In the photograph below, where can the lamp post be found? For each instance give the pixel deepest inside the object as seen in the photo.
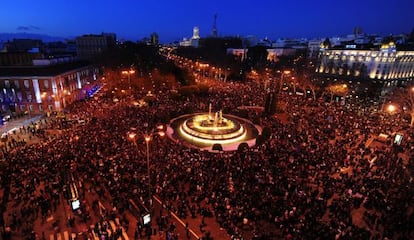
(43, 96)
(286, 72)
(129, 72)
(148, 136)
(29, 110)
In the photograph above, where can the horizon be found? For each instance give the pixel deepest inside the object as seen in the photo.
(51, 38)
(173, 21)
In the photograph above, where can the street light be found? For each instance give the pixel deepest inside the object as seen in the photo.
(129, 72)
(286, 72)
(391, 108)
(148, 136)
(43, 97)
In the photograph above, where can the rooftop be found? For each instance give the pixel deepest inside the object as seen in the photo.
(50, 70)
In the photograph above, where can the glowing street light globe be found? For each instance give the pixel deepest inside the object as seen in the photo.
(391, 108)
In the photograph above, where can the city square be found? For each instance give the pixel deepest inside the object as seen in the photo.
(216, 136)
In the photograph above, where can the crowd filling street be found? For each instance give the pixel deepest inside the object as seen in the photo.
(321, 174)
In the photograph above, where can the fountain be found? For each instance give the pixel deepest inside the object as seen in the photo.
(206, 129)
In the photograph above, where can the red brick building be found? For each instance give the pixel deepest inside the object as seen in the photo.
(50, 87)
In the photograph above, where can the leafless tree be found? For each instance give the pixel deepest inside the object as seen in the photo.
(404, 97)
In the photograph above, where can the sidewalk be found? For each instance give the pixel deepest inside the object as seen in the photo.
(17, 123)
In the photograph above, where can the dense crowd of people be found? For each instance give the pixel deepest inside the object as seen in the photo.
(305, 182)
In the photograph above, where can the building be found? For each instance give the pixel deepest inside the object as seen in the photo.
(273, 54)
(18, 58)
(44, 87)
(89, 46)
(60, 49)
(249, 41)
(290, 43)
(193, 41)
(23, 45)
(386, 66)
(238, 52)
(154, 39)
(314, 46)
(196, 33)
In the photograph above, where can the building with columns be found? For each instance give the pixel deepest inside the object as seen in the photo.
(386, 66)
(44, 87)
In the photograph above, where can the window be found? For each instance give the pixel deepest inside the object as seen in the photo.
(17, 84)
(19, 96)
(26, 84)
(46, 84)
(29, 96)
(7, 83)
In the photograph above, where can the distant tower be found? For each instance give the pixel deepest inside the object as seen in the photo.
(154, 38)
(196, 33)
(214, 31)
(357, 31)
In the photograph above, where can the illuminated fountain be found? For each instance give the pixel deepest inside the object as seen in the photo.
(207, 129)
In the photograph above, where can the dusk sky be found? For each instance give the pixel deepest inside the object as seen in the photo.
(173, 20)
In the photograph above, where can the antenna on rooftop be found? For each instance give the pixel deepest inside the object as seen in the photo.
(214, 31)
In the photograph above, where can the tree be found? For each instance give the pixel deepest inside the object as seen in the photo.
(337, 90)
(405, 98)
(294, 82)
(306, 83)
(326, 43)
(257, 54)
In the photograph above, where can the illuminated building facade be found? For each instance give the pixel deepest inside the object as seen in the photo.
(386, 65)
(196, 33)
(238, 52)
(193, 41)
(40, 89)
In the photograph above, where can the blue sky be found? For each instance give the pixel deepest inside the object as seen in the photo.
(173, 20)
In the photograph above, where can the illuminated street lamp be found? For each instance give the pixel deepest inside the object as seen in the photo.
(284, 73)
(148, 136)
(391, 108)
(129, 72)
(43, 97)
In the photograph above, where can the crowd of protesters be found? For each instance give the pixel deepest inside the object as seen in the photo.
(304, 182)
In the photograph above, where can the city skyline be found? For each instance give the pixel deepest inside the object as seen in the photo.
(173, 21)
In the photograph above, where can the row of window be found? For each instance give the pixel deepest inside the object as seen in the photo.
(32, 108)
(369, 55)
(26, 83)
(46, 83)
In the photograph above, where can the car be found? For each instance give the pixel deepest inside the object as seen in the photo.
(6, 118)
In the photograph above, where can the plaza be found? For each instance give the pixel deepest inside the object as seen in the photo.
(315, 166)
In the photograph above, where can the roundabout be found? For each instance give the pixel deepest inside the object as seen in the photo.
(204, 130)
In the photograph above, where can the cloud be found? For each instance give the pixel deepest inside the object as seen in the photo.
(27, 28)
